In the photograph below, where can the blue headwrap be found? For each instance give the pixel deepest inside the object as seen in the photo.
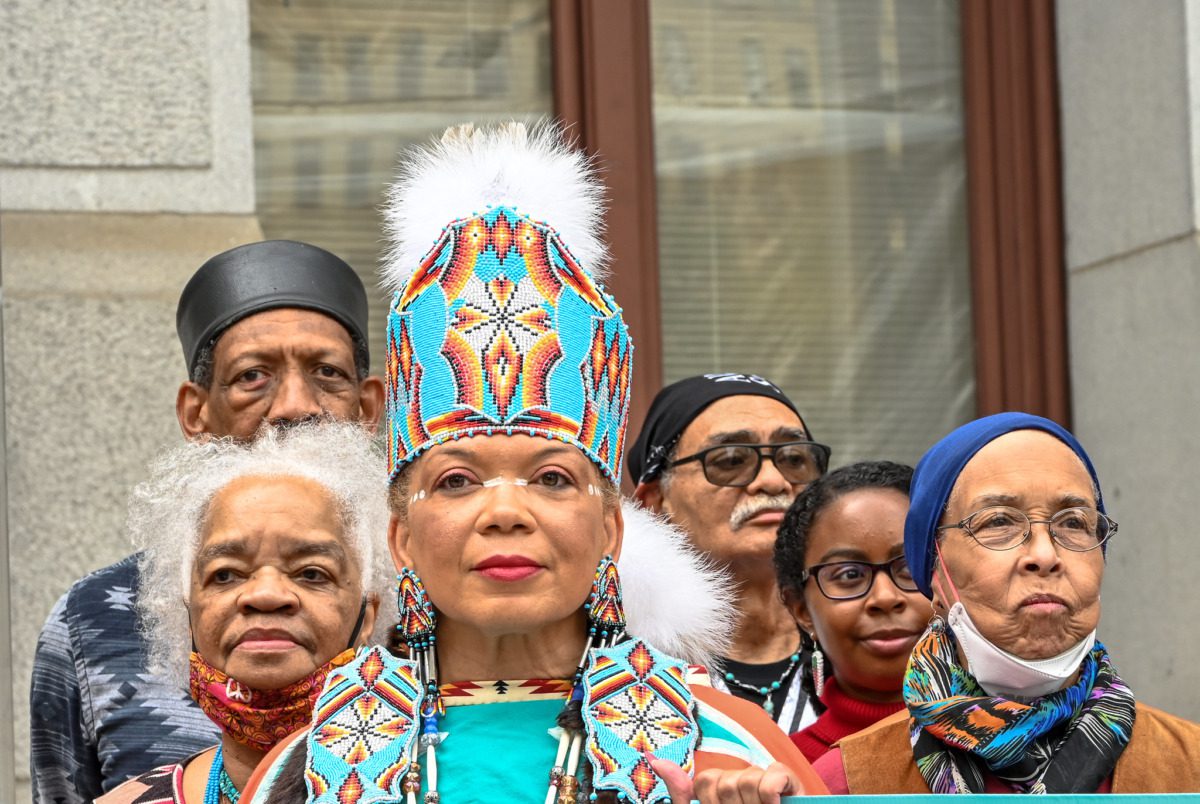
(938, 470)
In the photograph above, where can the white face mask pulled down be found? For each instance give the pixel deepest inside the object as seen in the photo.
(1001, 673)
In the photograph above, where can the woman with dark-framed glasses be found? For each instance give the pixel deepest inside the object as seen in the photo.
(843, 575)
(1010, 690)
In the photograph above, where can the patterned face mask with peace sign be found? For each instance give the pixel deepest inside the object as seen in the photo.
(258, 719)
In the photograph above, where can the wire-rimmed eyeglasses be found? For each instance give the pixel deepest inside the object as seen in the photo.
(848, 580)
(800, 462)
(1000, 527)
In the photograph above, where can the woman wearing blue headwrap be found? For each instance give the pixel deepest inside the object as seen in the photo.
(1009, 689)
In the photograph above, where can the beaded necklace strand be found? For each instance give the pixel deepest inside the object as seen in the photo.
(219, 783)
(768, 705)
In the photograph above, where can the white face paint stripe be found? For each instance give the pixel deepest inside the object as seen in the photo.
(500, 481)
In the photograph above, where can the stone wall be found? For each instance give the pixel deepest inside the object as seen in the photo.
(126, 160)
(1129, 90)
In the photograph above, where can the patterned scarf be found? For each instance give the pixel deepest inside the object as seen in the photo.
(1065, 742)
(255, 718)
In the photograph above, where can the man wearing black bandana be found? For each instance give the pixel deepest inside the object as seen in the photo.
(723, 456)
(272, 331)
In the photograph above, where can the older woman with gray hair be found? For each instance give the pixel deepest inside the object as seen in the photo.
(263, 566)
(1010, 690)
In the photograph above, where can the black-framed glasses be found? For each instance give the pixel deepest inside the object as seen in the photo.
(848, 580)
(999, 527)
(800, 462)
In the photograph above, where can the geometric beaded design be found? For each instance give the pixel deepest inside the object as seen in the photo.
(636, 701)
(417, 616)
(470, 693)
(605, 610)
(501, 331)
(364, 731)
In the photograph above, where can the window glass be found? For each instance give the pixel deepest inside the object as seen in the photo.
(811, 199)
(342, 86)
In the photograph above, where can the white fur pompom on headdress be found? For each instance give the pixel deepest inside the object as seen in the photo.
(675, 598)
(530, 169)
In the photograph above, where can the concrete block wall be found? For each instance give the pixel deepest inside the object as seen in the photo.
(1129, 92)
(126, 160)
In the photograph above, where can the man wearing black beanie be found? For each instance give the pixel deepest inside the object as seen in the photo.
(723, 456)
(271, 332)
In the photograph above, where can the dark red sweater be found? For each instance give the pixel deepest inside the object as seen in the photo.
(842, 717)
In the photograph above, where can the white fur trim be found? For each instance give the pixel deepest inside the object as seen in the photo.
(530, 169)
(675, 598)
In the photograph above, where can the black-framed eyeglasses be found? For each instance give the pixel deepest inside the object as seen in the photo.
(848, 580)
(999, 527)
(800, 462)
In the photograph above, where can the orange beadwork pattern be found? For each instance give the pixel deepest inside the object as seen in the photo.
(364, 730)
(416, 612)
(500, 328)
(351, 790)
(637, 702)
(605, 612)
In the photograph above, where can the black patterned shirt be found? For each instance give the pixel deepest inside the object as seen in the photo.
(96, 716)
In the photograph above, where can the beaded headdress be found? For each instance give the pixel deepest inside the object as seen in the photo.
(496, 326)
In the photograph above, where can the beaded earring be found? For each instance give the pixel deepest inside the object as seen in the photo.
(606, 626)
(416, 629)
(818, 668)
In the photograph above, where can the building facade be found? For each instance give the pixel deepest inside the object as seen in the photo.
(904, 213)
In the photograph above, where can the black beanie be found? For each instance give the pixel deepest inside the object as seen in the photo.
(677, 405)
(266, 276)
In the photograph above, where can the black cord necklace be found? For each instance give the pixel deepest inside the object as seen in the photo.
(768, 705)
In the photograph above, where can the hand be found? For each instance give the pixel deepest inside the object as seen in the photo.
(751, 785)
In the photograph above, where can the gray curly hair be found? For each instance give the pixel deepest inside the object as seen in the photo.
(168, 511)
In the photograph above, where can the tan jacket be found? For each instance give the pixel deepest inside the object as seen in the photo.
(1163, 756)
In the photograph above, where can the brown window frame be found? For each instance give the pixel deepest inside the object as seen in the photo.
(1014, 191)
(601, 66)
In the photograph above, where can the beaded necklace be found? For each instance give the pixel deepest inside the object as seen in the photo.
(768, 705)
(219, 783)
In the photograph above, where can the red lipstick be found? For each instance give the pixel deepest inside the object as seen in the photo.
(507, 568)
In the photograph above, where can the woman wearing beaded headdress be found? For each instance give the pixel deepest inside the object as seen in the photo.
(536, 670)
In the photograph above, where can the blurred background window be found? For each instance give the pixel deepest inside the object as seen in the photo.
(812, 210)
(341, 87)
(811, 180)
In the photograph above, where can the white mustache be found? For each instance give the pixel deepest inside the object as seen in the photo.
(754, 506)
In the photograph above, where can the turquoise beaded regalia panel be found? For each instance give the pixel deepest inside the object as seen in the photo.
(636, 702)
(364, 731)
(501, 331)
